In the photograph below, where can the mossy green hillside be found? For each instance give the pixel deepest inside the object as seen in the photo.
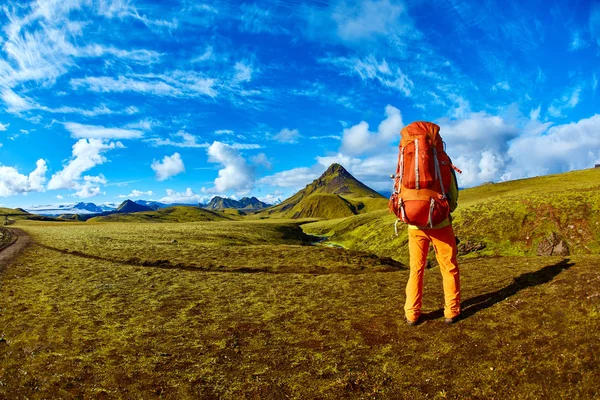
(334, 194)
(510, 218)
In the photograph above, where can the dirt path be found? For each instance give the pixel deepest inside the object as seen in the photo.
(10, 252)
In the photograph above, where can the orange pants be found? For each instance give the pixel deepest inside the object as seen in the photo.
(444, 244)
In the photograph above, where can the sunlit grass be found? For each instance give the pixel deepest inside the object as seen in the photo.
(78, 327)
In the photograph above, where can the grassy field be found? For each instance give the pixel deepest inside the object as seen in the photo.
(257, 309)
(81, 327)
(169, 214)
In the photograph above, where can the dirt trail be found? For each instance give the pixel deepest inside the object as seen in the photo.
(10, 252)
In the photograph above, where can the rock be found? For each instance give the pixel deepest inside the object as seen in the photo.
(553, 245)
(469, 246)
(174, 241)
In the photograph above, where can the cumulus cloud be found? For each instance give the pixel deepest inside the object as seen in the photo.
(272, 198)
(561, 148)
(261, 160)
(287, 136)
(358, 139)
(12, 182)
(346, 161)
(86, 154)
(136, 193)
(168, 167)
(187, 197)
(237, 174)
(100, 132)
(294, 178)
(90, 187)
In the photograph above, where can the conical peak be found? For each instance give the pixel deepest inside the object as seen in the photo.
(335, 169)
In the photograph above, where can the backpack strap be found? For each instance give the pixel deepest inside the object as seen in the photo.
(438, 172)
(417, 178)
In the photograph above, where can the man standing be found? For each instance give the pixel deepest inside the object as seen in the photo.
(425, 193)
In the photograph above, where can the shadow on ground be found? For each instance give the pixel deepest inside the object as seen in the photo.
(530, 279)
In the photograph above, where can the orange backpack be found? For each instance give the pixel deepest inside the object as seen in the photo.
(423, 177)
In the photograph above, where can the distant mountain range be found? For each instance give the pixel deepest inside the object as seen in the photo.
(246, 203)
(130, 206)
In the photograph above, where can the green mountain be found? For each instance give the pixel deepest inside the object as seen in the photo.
(335, 194)
(502, 219)
(129, 206)
(12, 211)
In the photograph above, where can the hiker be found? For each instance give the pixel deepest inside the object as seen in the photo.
(425, 193)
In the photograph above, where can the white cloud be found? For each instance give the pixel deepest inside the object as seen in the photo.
(183, 139)
(501, 86)
(58, 196)
(136, 193)
(358, 139)
(87, 190)
(294, 178)
(12, 182)
(368, 19)
(236, 175)
(243, 72)
(100, 132)
(287, 136)
(578, 43)
(370, 69)
(534, 115)
(346, 161)
(272, 198)
(187, 197)
(261, 160)
(224, 132)
(594, 82)
(170, 166)
(334, 137)
(100, 51)
(86, 154)
(568, 101)
(90, 186)
(3, 127)
(181, 84)
(561, 148)
(208, 55)
(15, 103)
(246, 146)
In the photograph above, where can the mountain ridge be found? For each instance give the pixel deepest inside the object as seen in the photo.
(246, 203)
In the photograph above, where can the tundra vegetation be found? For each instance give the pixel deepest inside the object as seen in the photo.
(222, 305)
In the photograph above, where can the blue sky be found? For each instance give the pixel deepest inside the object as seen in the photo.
(102, 100)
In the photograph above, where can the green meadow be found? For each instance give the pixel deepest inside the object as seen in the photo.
(183, 306)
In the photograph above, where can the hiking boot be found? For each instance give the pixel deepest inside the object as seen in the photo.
(453, 320)
(412, 323)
